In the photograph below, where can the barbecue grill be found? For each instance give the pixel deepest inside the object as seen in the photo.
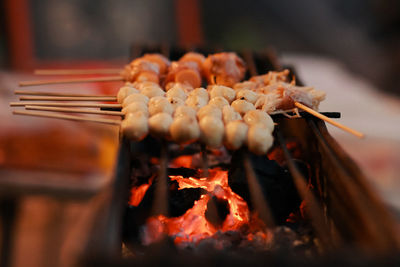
(345, 215)
(310, 198)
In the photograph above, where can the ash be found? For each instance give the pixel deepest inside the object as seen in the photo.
(282, 238)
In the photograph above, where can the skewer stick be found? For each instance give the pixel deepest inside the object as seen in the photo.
(40, 93)
(69, 98)
(57, 104)
(328, 120)
(76, 110)
(65, 117)
(82, 80)
(76, 71)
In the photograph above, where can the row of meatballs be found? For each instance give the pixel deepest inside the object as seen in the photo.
(215, 116)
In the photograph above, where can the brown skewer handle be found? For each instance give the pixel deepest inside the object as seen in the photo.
(65, 117)
(328, 120)
(76, 110)
(69, 98)
(65, 81)
(40, 93)
(58, 104)
(76, 71)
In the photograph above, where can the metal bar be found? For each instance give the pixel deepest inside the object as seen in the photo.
(160, 204)
(314, 209)
(8, 211)
(376, 204)
(109, 220)
(257, 198)
(343, 183)
(333, 115)
(203, 152)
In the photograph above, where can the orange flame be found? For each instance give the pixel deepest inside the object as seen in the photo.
(138, 192)
(182, 161)
(193, 225)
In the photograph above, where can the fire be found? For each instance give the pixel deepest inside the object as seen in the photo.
(182, 161)
(193, 225)
(138, 192)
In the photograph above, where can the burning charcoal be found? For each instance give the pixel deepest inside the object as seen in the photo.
(275, 181)
(182, 200)
(217, 210)
(179, 202)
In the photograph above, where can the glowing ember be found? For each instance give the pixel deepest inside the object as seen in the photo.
(193, 225)
(138, 192)
(182, 161)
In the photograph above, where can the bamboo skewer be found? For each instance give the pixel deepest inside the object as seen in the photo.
(76, 71)
(57, 104)
(40, 93)
(69, 98)
(328, 120)
(65, 81)
(76, 110)
(66, 117)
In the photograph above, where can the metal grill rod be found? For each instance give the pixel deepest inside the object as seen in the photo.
(313, 208)
(381, 236)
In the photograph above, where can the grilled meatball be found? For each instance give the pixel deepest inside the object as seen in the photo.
(211, 131)
(209, 110)
(152, 91)
(177, 91)
(259, 117)
(235, 134)
(184, 129)
(135, 97)
(219, 101)
(185, 111)
(224, 91)
(247, 95)
(125, 91)
(159, 124)
(195, 102)
(229, 114)
(176, 102)
(259, 139)
(242, 106)
(159, 104)
(135, 126)
(200, 92)
(136, 106)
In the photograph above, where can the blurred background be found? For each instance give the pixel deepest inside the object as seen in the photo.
(347, 48)
(350, 49)
(363, 34)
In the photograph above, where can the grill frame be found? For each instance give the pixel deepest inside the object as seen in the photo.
(345, 210)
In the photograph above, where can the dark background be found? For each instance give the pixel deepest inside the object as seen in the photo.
(362, 34)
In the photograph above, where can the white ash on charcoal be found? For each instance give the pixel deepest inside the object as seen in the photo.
(280, 239)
